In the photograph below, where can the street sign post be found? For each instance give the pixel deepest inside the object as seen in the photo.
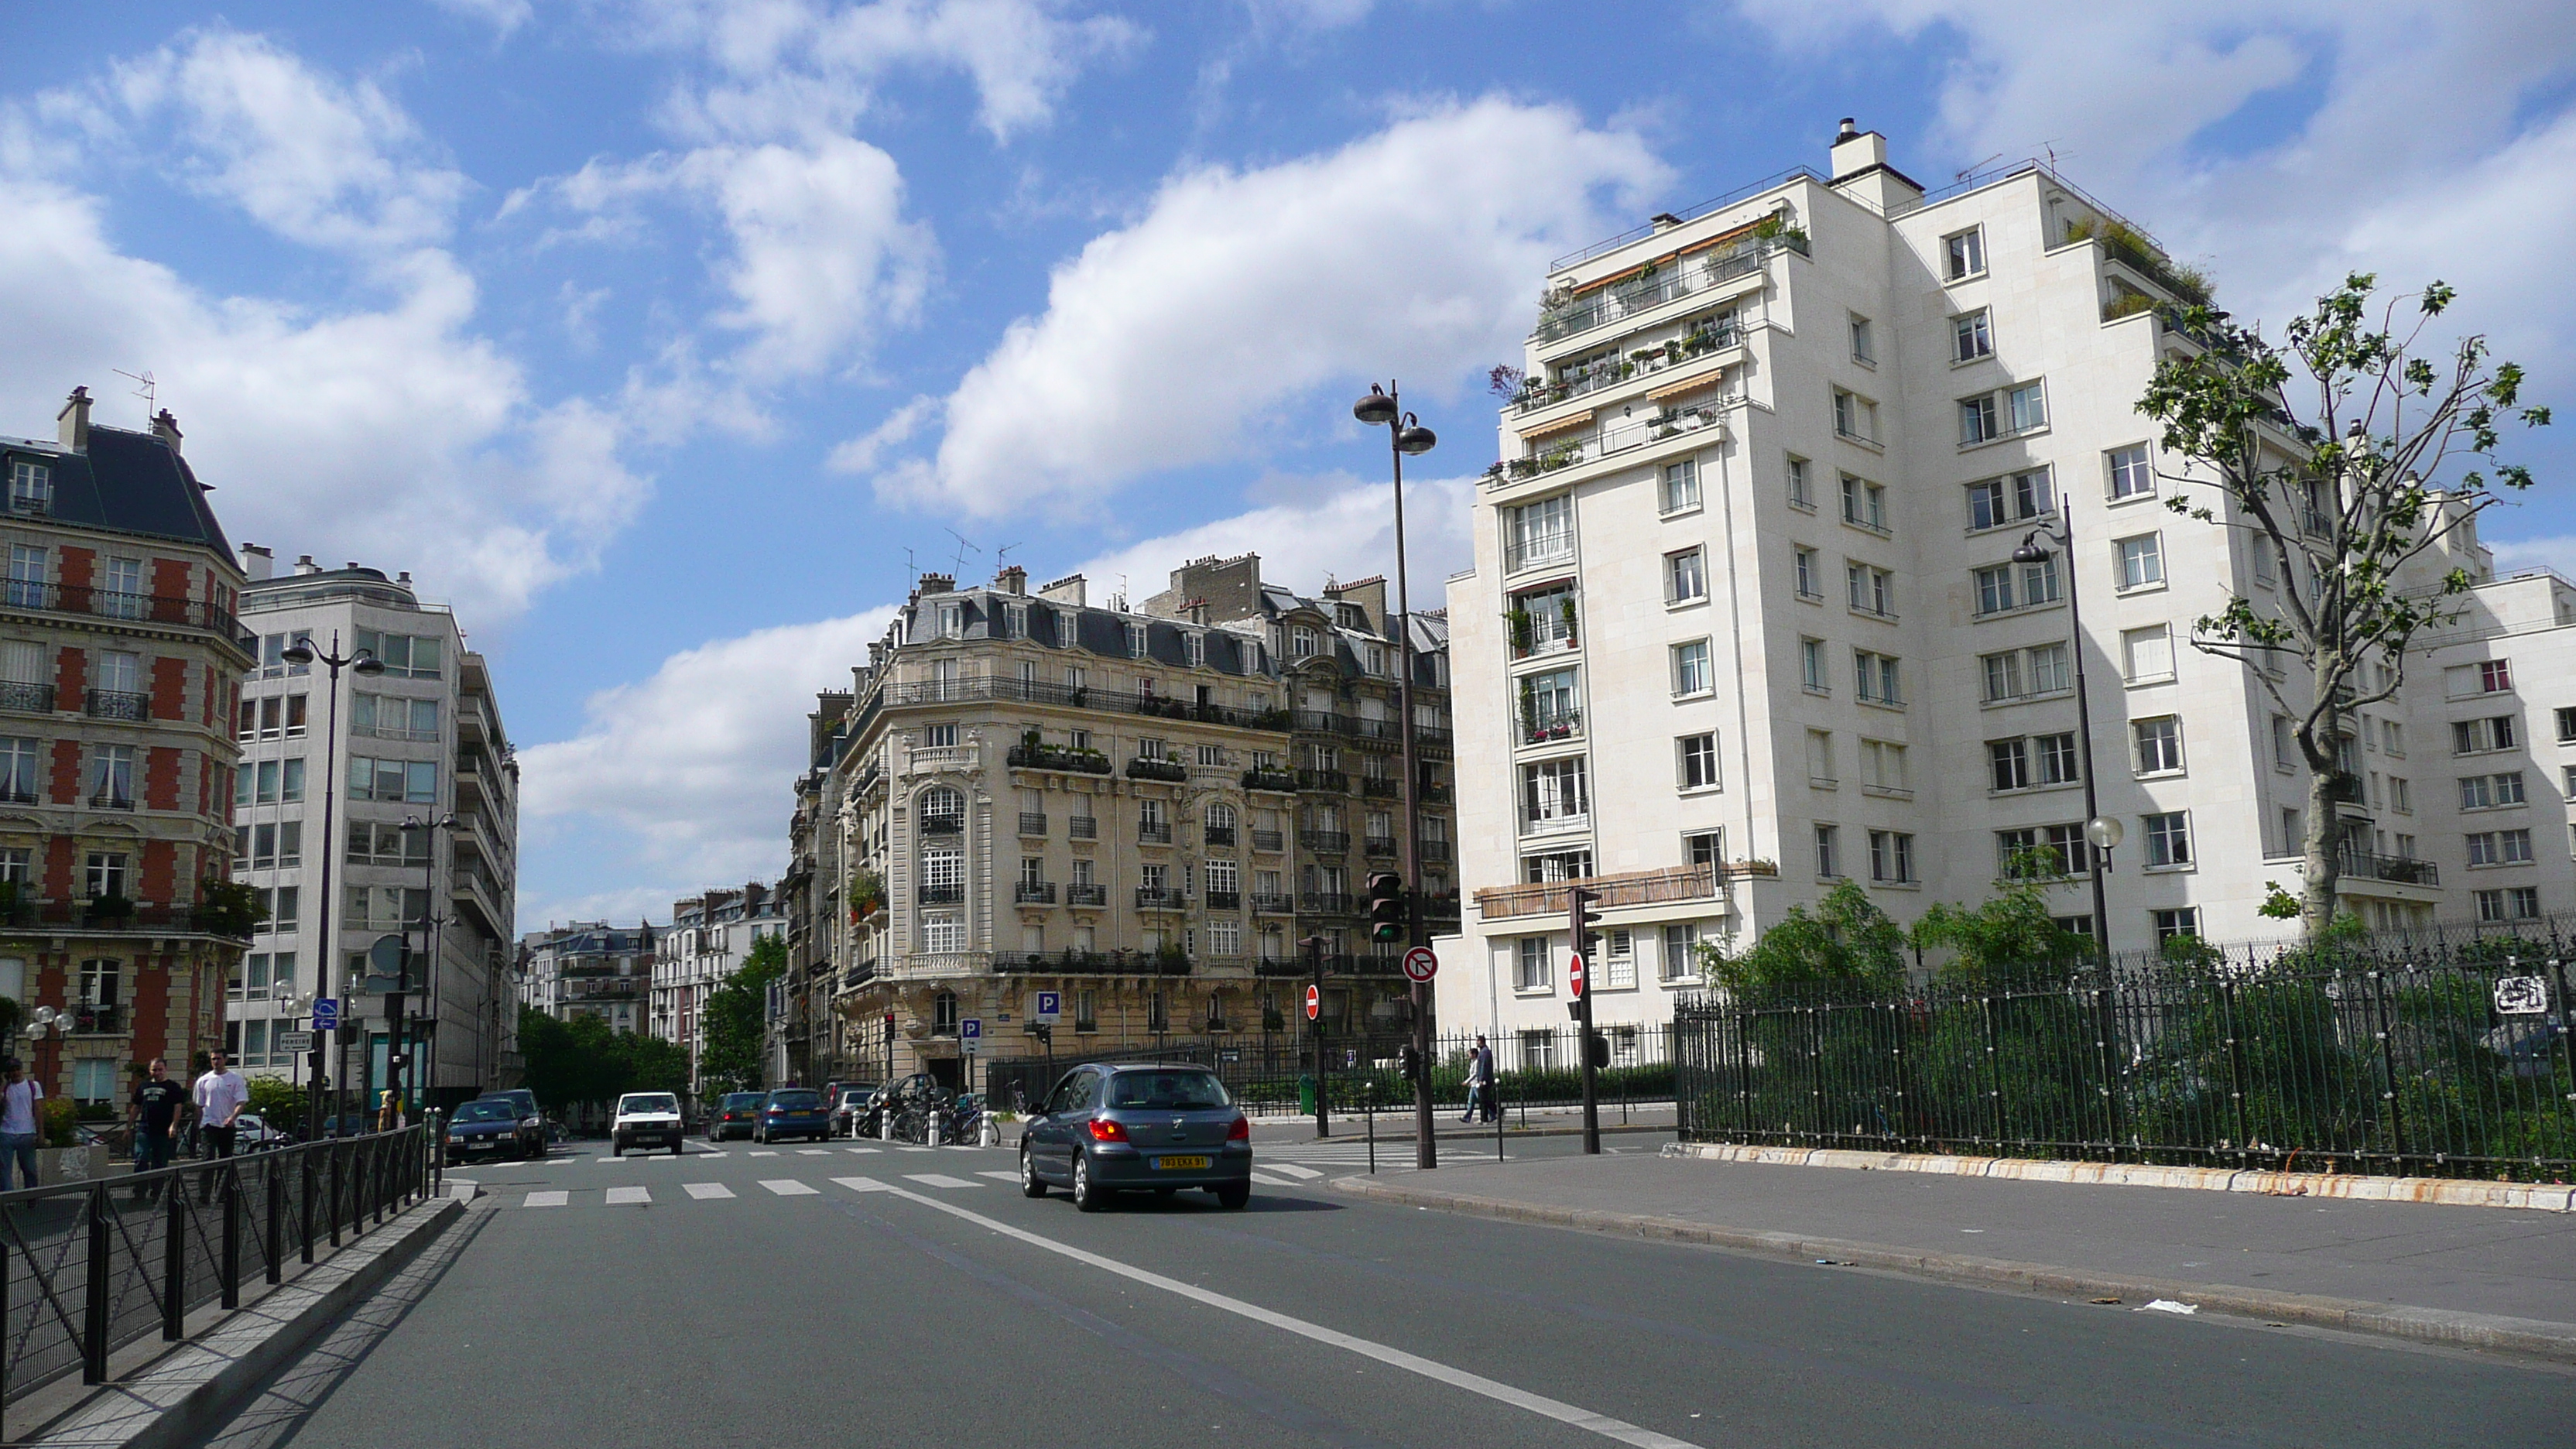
(1574, 977)
(970, 1034)
(294, 1041)
(326, 1013)
(1580, 919)
(1421, 964)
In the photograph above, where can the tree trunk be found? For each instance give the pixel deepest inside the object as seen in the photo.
(2324, 836)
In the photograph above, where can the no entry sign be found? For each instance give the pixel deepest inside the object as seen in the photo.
(1574, 976)
(1314, 1004)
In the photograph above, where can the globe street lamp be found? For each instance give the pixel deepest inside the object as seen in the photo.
(400, 1051)
(1384, 407)
(2100, 832)
(361, 662)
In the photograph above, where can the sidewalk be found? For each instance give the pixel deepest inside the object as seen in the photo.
(2485, 1277)
(1397, 1121)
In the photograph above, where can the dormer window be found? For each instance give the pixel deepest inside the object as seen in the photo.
(1301, 642)
(1135, 641)
(1351, 616)
(952, 621)
(1197, 644)
(31, 487)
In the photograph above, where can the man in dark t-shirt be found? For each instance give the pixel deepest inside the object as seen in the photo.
(157, 1100)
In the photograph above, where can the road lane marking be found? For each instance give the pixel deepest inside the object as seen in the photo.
(1268, 1181)
(915, 1149)
(862, 1184)
(764, 1154)
(547, 1199)
(787, 1187)
(618, 1195)
(1000, 1176)
(860, 1151)
(704, 1191)
(1495, 1389)
(813, 1152)
(938, 1179)
(1292, 1169)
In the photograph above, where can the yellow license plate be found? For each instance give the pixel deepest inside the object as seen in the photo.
(1180, 1164)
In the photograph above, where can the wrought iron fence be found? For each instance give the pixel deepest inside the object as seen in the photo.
(87, 1268)
(2443, 1051)
(1265, 1072)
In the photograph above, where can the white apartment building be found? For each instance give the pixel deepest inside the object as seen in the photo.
(1744, 620)
(422, 742)
(711, 935)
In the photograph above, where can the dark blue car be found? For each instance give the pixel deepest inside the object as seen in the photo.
(792, 1112)
(484, 1129)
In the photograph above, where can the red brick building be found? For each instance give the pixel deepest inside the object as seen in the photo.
(120, 661)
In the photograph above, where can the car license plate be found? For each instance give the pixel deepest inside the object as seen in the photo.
(1180, 1164)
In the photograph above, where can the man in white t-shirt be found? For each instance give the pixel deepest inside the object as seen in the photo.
(19, 1131)
(220, 1096)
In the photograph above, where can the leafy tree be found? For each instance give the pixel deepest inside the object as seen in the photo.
(1847, 949)
(2008, 938)
(583, 1061)
(737, 1019)
(2345, 501)
(279, 1103)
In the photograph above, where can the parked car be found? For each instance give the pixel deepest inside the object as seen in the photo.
(534, 1131)
(251, 1133)
(486, 1128)
(737, 1113)
(645, 1120)
(850, 1106)
(792, 1112)
(1107, 1128)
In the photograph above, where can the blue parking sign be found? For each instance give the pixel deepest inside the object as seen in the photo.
(971, 1028)
(1050, 1004)
(326, 1013)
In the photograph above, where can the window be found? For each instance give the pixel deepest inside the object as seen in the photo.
(1864, 504)
(2130, 475)
(2399, 798)
(1882, 765)
(1808, 587)
(1891, 857)
(1685, 577)
(2003, 676)
(2159, 744)
(404, 657)
(1820, 758)
(31, 486)
(2008, 764)
(1136, 642)
(1875, 678)
(411, 781)
(1986, 505)
(1152, 749)
(1681, 486)
(1537, 533)
(119, 671)
(1195, 647)
(1971, 336)
(1855, 417)
(111, 777)
(2006, 587)
(1872, 590)
(1977, 421)
(1681, 952)
(2147, 654)
(2500, 847)
(120, 595)
(1532, 975)
(386, 843)
(2181, 921)
(2478, 736)
(106, 874)
(2168, 838)
(2015, 498)
(2486, 792)
(2293, 837)
(1811, 666)
(1707, 848)
(1799, 496)
(2566, 725)
(1691, 669)
(1863, 347)
(28, 576)
(20, 782)
(1552, 793)
(2048, 850)
(2054, 758)
(2521, 903)
(1699, 761)
(383, 716)
(2026, 407)
(1828, 853)
(1963, 255)
(2142, 561)
(1548, 705)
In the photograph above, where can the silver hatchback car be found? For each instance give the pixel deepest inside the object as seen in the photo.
(1107, 1128)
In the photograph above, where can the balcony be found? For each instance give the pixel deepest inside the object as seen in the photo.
(1269, 842)
(1150, 899)
(1552, 727)
(1049, 757)
(1378, 787)
(1327, 903)
(1628, 888)
(1264, 904)
(1150, 833)
(125, 704)
(1613, 437)
(1534, 553)
(1435, 739)
(1645, 362)
(1325, 842)
(112, 800)
(1225, 900)
(1379, 845)
(1365, 728)
(1172, 770)
(27, 698)
(1033, 822)
(941, 895)
(1434, 852)
(1033, 893)
(1279, 781)
(134, 608)
(1089, 963)
(1333, 780)
(1610, 304)
(943, 824)
(2399, 869)
(106, 1020)
(1082, 827)
(1433, 793)
(1086, 895)
(1219, 835)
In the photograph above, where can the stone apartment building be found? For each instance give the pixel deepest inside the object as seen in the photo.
(120, 661)
(710, 935)
(1745, 622)
(420, 745)
(589, 968)
(1146, 809)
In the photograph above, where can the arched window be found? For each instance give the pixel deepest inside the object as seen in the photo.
(943, 1013)
(1220, 824)
(943, 809)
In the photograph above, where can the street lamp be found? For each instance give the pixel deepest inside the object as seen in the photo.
(44, 1022)
(362, 662)
(400, 1053)
(2100, 832)
(1384, 407)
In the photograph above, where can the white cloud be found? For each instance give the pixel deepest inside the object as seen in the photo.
(1413, 252)
(859, 454)
(2556, 552)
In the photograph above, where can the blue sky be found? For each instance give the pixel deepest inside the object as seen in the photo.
(654, 334)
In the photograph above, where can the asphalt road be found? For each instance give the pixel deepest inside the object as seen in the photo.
(905, 1297)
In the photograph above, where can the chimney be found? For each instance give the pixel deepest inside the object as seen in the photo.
(1665, 221)
(73, 421)
(304, 564)
(257, 562)
(1861, 172)
(1012, 579)
(166, 428)
(1067, 590)
(938, 584)
(1856, 150)
(403, 578)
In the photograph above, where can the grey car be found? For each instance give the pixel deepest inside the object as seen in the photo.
(1109, 1128)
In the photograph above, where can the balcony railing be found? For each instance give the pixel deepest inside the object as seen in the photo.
(1327, 903)
(1333, 780)
(1090, 963)
(1278, 780)
(1533, 553)
(1220, 835)
(124, 704)
(941, 895)
(112, 800)
(1270, 841)
(1033, 893)
(1544, 729)
(1434, 738)
(988, 688)
(1150, 833)
(1328, 842)
(942, 824)
(1033, 822)
(1615, 303)
(1434, 852)
(1172, 770)
(1264, 904)
(2401, 869)
(1049, 757)
(1225, 900)
(1617, 436)
(1629, 888)
(1150, 899)
(1610, 371)
(1378, 787)
(100, 603)
(1378, 845)
(1433, 793)
(27, 698)
(1086, 895)
(1082, 827)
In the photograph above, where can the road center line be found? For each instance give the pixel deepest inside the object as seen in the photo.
(1540, 1404)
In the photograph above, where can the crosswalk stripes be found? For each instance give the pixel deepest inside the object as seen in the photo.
(618, 1195)
(791, 1187)
(764, 1154)
(548, 1199)
(860, 1151)
(862, 1184)
(1266, 1180)
(813, 1152)
(1293, 1170)
(938, 1179)
(787, 1187)
(1000, 1176)
(705, 1191)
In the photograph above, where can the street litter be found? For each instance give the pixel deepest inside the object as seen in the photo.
(2167, 1305)
(2106, 1300)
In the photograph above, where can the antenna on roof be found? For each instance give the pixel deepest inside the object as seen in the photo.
(1002, 555)
(963, 544)
(145, 392)
(1964, 172)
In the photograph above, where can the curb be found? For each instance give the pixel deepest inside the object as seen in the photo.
(186, 1393)
(2555, 1341)
(1513, 1134)
(2441, 1191)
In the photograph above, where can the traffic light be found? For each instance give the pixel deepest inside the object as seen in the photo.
(1409, 1062)
(1596, 1050)
(1390, 917)
(1580, 919)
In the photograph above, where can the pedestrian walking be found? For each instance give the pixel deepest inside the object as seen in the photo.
(1480, 1083)
(220, 1096)
(18, 1129)
(158, 1101)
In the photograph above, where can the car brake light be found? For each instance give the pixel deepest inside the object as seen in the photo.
(1241, 1131)
(1103, 1130)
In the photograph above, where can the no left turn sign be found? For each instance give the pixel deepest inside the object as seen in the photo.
(1421, 964)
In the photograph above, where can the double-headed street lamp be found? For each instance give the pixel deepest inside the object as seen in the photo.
(362, 662)
(2100, 831)
(1384, 407)
(399, 1052)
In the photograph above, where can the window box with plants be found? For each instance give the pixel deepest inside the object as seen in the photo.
(1278, 780)
(867, 894)
(1032, 754)
(1144, 769)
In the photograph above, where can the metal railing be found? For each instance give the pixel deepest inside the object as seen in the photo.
(26, 698)
(125, 704)
(1148, 833)
(1325, 842)
(1218, 835)
(1033, 822)
(942, 824)
(2402, 869)
(110, 604)
(1617, 302)
(2441, 1053)
(91, 1267)
(1150, 899)
(1270, 841)
(1033, 893)
(1082, 827)
(983, 689)
(1086, 895)
(1645, 362)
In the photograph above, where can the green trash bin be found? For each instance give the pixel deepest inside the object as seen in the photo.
(1306, 1094)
